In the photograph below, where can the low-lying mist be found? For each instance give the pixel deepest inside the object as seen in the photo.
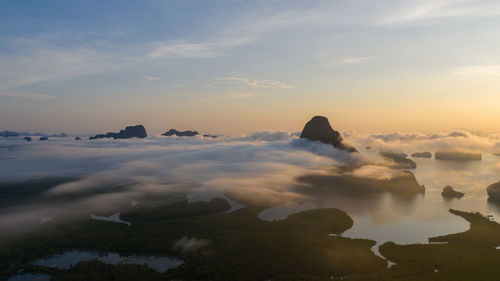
(457, 140)
(103, 177)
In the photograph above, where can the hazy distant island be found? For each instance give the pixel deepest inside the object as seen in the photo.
(347, 183)
(401, 160)
(458, 156)
(319, 129)
(449, 193)
(27, 134)
(422, 155)
(137, 131)
(174, 132)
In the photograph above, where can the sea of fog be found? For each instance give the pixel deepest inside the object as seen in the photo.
(266, 163)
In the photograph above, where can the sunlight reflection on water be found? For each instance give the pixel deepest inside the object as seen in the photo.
(412, 220)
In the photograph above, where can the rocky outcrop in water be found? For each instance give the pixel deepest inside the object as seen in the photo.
(422, 155)
(449, 193)
(44, 138)
(400, 160)
(77, 138)
(27, 139)
(494, 192)
(319, 129)
(137, 131)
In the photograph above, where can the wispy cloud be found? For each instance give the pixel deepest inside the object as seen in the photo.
(348, 61)
(477, 70)
(184, 49)
(239, 96)
(26, 95)
(326, 60)
(147, 78)
(254, 83)
(46, 61)
(208, 48)
(425, 12)
(43, 64)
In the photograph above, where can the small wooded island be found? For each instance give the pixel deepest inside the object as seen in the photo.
(449, 193)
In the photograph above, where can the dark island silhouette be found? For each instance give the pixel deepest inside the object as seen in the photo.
(450, 193)
(8, 134)
(458, 156)
(422, 155)
(174, 132)
(343, 181)
(44, 138)
(400, 160)
(319, 129)
(494, 192)
(137, 131)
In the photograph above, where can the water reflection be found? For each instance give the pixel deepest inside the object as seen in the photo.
(29, 277)
(405, 218)
(71, 258)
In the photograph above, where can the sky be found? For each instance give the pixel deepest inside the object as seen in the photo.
(236, 67)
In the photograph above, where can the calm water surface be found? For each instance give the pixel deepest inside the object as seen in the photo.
(71, 258)
(29, 277)
(413, 220)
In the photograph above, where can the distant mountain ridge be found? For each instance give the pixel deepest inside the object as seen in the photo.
(137, 131)
(174, 132)
(26, 134)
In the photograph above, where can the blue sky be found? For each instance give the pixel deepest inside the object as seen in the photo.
(235, 67)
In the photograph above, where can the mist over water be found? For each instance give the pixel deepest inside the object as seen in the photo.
(107, 175)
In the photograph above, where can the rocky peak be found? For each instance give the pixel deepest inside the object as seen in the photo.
(319, 129)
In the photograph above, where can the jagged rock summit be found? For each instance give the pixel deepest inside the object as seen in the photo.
(319, 129)
(174, 132)
(137, 131)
